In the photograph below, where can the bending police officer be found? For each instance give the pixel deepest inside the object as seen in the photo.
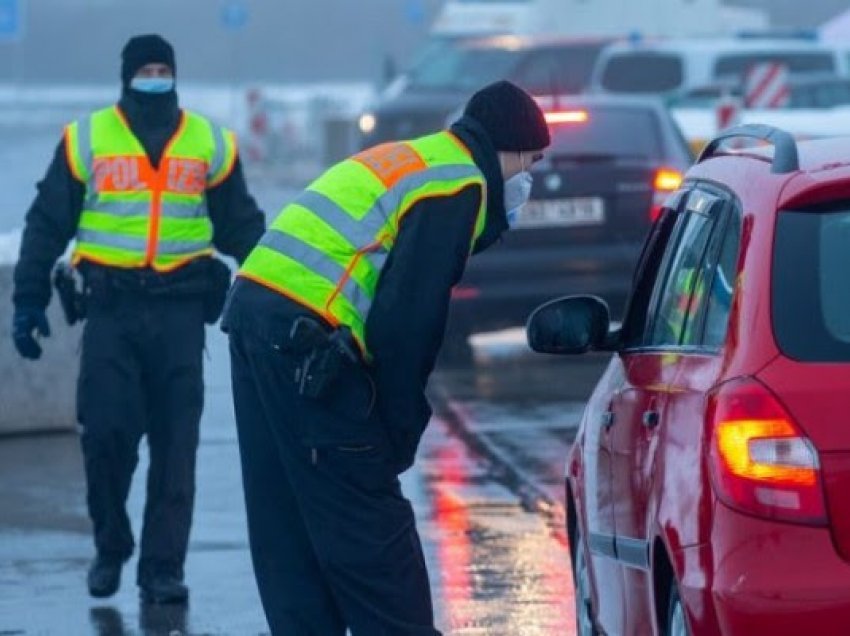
(335, 321)
(147, 190)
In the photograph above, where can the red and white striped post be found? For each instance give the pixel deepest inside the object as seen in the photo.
(258, 126)
(766, 86)
(727, 111)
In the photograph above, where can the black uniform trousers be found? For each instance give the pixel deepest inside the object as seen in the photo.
(142, 374)
(333, 540)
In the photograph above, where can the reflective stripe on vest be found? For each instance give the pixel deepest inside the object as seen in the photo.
(327, 248)
(137, 216)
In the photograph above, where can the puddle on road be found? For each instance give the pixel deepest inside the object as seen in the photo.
(497, 568)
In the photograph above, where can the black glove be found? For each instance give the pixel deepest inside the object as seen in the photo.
(26, 321)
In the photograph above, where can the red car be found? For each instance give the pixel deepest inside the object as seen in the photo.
(708, 489)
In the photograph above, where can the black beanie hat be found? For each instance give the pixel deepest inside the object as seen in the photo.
(511, 117)
(144, 49)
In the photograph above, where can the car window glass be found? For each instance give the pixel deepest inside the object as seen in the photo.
(662, 234)
(682, 263)
(712, 296)
(558, 70)
(456, 67)
(810, 288)
(797, 62)
(608, 131)
(643, 73)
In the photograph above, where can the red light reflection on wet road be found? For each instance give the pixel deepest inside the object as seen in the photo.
(500, 569)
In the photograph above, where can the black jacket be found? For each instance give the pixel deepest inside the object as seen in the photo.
(407, 320)
(52, 220)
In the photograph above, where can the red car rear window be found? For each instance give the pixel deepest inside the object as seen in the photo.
(811, 285)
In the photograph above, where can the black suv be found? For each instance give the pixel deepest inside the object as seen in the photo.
(612, 163)
(450, 71)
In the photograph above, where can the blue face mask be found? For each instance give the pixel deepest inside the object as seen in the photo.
(152, 84)
(517, 193)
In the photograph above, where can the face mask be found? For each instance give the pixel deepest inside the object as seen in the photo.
(517, 193)
(152, 84)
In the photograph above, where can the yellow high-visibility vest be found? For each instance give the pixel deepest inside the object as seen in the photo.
(326, 249)
(134, 215)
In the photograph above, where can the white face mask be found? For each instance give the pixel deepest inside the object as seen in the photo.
(152, 84)
(517, 193)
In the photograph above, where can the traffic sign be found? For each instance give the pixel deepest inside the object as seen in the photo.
(234, 15)
(11, 20)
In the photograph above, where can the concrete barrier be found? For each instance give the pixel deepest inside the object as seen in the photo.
(37, 396)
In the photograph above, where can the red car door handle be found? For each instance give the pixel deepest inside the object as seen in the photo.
(651, 418)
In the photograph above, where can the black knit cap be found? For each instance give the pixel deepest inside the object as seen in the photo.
(144, 49)
(511, 117)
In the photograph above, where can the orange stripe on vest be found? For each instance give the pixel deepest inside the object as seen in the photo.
(391, 162)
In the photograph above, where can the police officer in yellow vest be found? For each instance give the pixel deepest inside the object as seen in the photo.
(335, 321)
(147, 190)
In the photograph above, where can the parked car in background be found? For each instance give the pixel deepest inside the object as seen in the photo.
(611, 164)
(706, 491)
(676, 67)
(451, 70)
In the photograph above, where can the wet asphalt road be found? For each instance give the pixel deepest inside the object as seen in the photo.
(487, 491)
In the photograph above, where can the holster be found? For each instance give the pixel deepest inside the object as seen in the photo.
(327, 353)
(72, 297)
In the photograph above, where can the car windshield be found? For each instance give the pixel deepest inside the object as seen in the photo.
(605, 132)
(463, 68)
(811, 290)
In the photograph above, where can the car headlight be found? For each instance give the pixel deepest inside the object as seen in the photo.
(367, 123)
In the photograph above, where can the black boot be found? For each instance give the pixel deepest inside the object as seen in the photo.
(104, 576)
(162, 590)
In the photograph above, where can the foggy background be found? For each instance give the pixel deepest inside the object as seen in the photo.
(317, 63)
(281, 40)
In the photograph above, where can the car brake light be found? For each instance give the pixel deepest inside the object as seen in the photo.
(666, 181)
(760, 461)
(566, 117)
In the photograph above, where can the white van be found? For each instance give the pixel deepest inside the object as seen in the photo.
(674, 68)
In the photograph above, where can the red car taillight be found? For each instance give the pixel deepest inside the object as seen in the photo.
(761, 463)
(666, 181)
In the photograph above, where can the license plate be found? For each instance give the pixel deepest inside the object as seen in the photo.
(562, 212)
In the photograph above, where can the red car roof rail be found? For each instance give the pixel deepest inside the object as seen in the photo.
(785, 157)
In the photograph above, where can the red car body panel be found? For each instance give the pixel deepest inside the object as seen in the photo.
(737, 574)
